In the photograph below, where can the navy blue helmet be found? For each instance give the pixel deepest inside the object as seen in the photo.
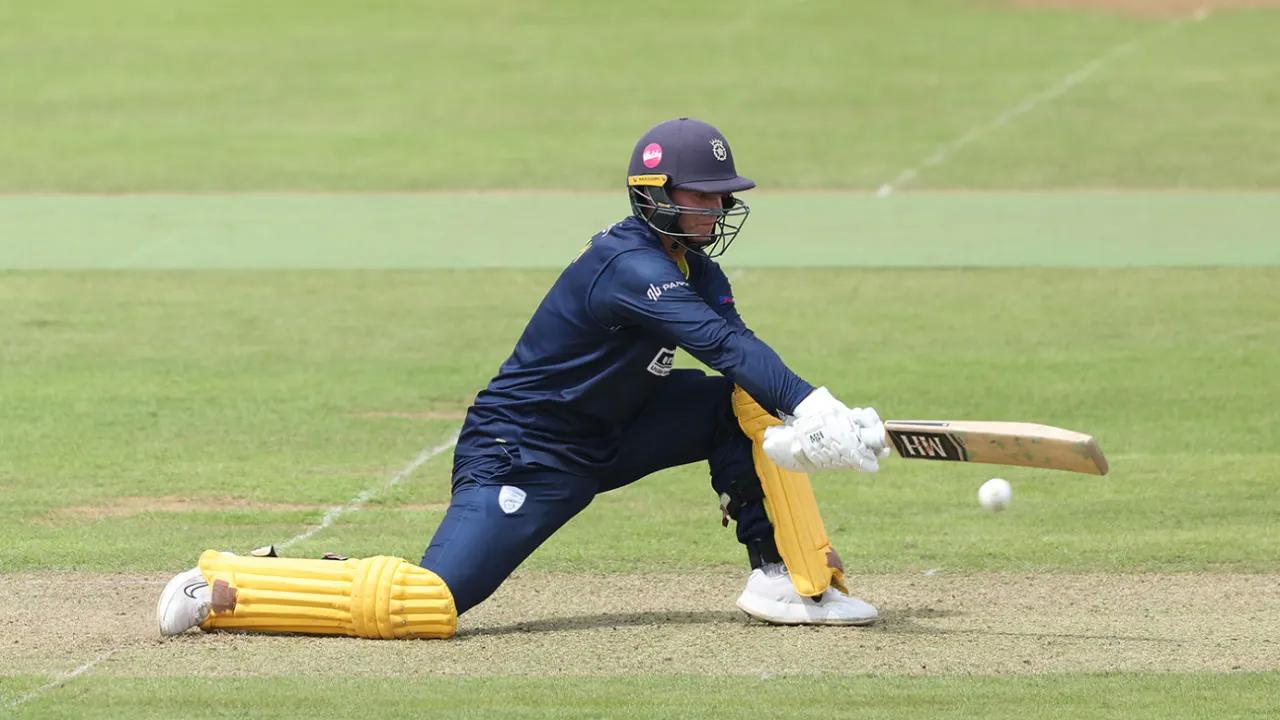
(687, 154)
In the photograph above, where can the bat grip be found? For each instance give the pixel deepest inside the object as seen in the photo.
(873, 438)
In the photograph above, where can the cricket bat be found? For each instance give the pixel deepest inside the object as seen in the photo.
(998, 443)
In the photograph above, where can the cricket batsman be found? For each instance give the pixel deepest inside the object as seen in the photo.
(587, 403)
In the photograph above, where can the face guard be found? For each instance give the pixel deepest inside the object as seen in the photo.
(651, 203)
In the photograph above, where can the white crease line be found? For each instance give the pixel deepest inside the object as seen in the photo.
(1029, 103)
(356, 503)
(368, 494)
(62, 680)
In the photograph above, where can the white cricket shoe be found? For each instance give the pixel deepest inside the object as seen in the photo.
(770, 596)
(184, 603)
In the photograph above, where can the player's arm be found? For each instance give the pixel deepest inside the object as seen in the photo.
(718, 293)
(646, 291)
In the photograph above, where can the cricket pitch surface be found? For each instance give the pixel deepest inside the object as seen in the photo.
(543, 623)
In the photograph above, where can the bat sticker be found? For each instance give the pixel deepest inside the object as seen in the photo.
(928, 446)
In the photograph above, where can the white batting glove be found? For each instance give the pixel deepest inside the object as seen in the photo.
(825, 434)
(871, 430)
(817, 443)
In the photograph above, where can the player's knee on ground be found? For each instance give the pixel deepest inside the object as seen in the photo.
(377, 597)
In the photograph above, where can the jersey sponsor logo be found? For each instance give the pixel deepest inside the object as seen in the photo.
(510, 498)
(652, 155)
(655, 291)
(726, 299)
(662, 362)
(719, 150)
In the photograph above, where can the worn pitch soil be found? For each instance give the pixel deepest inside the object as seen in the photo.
(1153, 8)
(573, 624)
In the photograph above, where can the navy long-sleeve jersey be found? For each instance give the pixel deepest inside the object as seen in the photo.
(599, 345)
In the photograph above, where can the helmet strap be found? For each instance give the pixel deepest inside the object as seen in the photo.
(664, 217)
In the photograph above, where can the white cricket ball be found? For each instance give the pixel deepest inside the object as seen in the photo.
(995, 494)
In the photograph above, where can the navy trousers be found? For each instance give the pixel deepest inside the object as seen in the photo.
(501, 511)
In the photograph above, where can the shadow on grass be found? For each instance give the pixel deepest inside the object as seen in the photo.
(609, 620)
(901, 621)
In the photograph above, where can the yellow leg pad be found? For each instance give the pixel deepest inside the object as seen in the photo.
(793, 509)
(378, 597)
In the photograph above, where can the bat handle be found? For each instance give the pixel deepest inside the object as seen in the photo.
(873, 438)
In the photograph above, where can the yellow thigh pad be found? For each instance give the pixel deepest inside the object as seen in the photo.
(793, 509)
(377, 597)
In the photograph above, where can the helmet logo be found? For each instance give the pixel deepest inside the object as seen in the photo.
(652, 155)
(718, 149)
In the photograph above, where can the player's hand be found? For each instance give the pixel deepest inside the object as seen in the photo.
(819, 442)
(825, 434)
(870, 429)
(866, 421)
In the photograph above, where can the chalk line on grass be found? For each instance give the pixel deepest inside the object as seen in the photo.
(945, 151)
(63, 679)
(368, 494)
(355, 504)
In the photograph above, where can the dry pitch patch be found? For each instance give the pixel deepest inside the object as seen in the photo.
(1153, 8)
(129, 506)
(542, 624)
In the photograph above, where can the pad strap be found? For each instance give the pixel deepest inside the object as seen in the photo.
(378, 597)
(793, 509)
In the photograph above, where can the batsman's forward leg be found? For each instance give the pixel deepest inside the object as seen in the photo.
(494, 523)
(491, 526)
(377, 597)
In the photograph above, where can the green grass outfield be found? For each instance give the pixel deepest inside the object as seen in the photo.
(255, 260)
(149, 414)
(304, 387)
(545, 229)
(1114, 697)
(162, 96)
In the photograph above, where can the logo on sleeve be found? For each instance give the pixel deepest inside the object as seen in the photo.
(726, 299)
(510, 498)
(662, 362)
(655, 291)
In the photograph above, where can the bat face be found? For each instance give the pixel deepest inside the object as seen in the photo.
(999, 443)
(927, 444)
